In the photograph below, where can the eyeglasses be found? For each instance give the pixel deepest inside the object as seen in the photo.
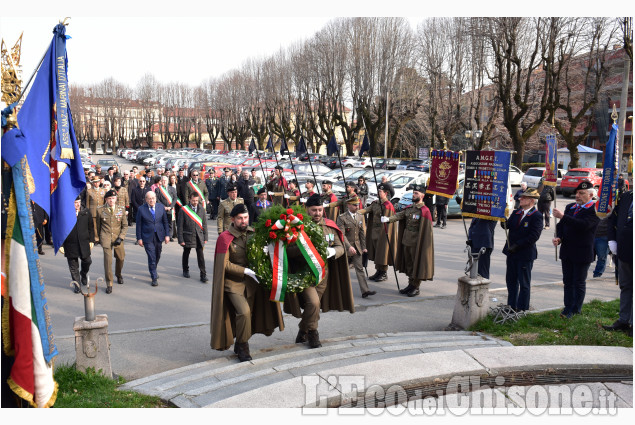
(194, 175)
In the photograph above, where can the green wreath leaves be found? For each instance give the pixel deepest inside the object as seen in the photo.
(260, 262)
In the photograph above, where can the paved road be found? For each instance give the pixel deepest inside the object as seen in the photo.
(159, 328)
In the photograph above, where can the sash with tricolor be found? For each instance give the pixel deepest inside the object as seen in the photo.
(166, 194)
(200, 194)
(278, 254)
(192, 214)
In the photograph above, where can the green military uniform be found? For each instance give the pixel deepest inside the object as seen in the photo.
(94, 200)
(224, 209)
(354, 230)
(278, 186)
(376, 241)
(123, 200)
(415, 252)
(238, 289)
(112, 224)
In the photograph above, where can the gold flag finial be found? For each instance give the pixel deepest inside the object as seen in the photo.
(614, 114)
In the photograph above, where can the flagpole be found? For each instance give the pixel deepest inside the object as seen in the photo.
(261, 167)
(315, 184)
(292, 167)
(340, 161)
(372, 166)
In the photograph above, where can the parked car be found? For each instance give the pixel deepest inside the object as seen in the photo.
(403, 164)
(107, 163)
(355, 161)
(419, 165)
(533, 175)
(576, 175)
(387, 164)
(515, 175)
(400, 180)
(99, 150)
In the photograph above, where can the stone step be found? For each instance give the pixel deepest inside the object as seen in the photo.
(212, 381)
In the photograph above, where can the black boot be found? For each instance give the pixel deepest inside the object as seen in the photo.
(406, 289)
(373, 277)
(242, 349)
(314, 339)
(383, 276)
(301, 338)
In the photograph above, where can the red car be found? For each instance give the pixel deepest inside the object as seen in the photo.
(574, 176)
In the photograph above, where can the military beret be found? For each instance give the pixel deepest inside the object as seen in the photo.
(111, 168)
(354, 200)
(352, 184)
(384, 187)
(239, 209)
(96, 179)
(226, 169)
(231, 186)
(314, 201)
(253, 169)
(584, 185)
(261, 191)
(110, 194)
(79, 198)
(418, 187)
(327, 182)
(311, 181)
(277, 167)
(530, 193)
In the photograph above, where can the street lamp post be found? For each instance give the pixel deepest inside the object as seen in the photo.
(477, 135)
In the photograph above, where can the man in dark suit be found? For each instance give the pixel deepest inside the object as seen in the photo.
(152, 230)
(192, 233)
(525, 227)
(620, 235)
(166, 195)
(79, 243)
(576, 233)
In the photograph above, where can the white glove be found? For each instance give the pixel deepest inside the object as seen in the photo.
(265, 249)
(613, 247)
(384, 219)
(62, 249)
(325, 205)
(251, 274)
(286, 196)
(303, 200)
(270, 193)
(330, 252)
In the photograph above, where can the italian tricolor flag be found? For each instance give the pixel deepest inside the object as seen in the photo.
(31, 377)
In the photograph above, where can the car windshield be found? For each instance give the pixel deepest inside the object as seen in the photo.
(577, 173)
(535, 172)
(400, 182)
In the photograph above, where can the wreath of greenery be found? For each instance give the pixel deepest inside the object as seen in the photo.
(260, 262)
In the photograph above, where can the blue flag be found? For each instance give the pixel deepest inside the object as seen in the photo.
(283, 146)
(609, 172)
(300, 147)
(365, 146)
(332, 147)
(252, 146)
(270, 144)
(45, 141)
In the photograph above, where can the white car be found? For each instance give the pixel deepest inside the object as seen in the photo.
(533, 176)
(515, 175)
(400, 180)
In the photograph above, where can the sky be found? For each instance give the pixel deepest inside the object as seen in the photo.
(204, 42)
(182, 40)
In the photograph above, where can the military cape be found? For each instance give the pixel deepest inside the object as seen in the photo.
(265, 315)
(381, 255)
(336, 292)
(424, 263)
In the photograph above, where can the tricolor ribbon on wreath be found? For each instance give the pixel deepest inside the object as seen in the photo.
(286, 230)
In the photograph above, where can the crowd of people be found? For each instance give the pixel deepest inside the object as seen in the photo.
(166, 206)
